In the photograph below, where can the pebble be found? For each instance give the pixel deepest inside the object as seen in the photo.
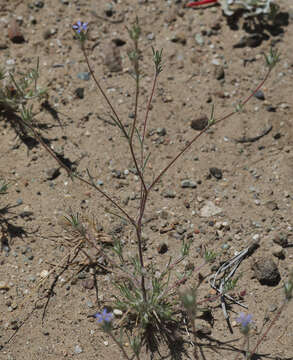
(52, 173)
(210, 209)
(162, 248)
(179, 38)
(44, 273)
(161, 131)
(151, 36)
(169, 194)
(118, 313)
(88, 284)
(280, 239)
(199, 39)
(200, 123)
(10, 62)
(79, 92)
(78, 349)
(216, 172)
(4, 285)
(188, 184)
(259, 95)
(219, 72)
(271, 205)
(39, 4)
(252, 40)
(225, 246)
(266, 271)
(84, 75)
(89, 304)
(14, 33)
(278, 252)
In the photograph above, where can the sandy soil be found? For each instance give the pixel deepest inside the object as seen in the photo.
(252, 188)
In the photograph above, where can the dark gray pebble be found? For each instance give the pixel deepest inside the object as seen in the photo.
(259, 95)
(216, 172)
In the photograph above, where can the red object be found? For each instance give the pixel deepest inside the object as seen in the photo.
(201, 2)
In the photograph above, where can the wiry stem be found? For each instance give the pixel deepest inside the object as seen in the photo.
(146, 117)
(121, 126)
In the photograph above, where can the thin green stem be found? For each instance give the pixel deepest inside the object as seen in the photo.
(139, 240)
(146, 117)
(122, 127)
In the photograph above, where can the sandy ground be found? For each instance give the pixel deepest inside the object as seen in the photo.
(251, 188)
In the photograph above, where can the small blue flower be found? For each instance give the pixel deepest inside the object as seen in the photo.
(80, 27)
(104, 316)
(244, 321)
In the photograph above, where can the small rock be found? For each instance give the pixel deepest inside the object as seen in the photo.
(44, 274)
(39, 4)
(280, 239)
(162, 248)
(278, 252)
(266, 271)
(79, 92)
(199, 123)
(179, 38)
(171, 16)
(4, 285)
(169, 194)
(48, 33)
(78, 349)
(3, 46)
(161, 131)
(210, 209)
(271, 205)
(225, 246)
(88, 284)
(188, 184)
(271, 108)
(259, 95)
(199, 39)
(89, 304)
(219, 72)
(252, 40)
(216, 172)
(84, 75)
(119, 42)
(14, 32)
(52, 173)
(151, 36)
(202, 331)
(118, 313)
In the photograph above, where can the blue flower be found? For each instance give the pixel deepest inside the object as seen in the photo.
(80, 27)
(244, 320)
(104, 316)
